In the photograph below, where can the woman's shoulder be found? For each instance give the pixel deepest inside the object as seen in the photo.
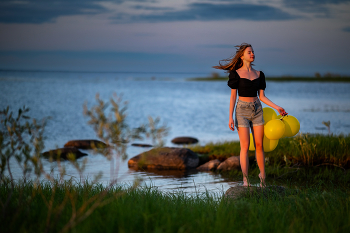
(233, 74)
(261, 74)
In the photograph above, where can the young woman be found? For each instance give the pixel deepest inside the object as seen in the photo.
(249, 114)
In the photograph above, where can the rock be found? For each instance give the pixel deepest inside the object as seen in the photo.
(231, 163)
(243, 191)
(165, 158)
(64, 153)
(211, 165)
(141, 145)
(184, 140)
(86, 144)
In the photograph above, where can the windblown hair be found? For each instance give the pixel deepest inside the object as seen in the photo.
(235, 62)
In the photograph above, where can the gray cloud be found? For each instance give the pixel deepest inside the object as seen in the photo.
(208, 11)
(41, 11)
(346, 29)
(314, 6)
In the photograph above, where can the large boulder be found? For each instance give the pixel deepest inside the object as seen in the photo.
(253, 191)
(231, 163)
(64, 153)
(165, 158)
(86, 144)
(184, 140)
(211, 165)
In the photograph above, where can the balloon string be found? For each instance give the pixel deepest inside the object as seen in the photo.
(283, 117)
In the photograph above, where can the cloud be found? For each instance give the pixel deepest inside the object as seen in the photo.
(346, 29)
(41, 11)
(209, 11)
(321, 7)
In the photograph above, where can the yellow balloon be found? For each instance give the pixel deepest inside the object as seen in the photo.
(269, 144)
(292, 126)
(274, 129)
(251, 143)
(269, 114)
(279, 117)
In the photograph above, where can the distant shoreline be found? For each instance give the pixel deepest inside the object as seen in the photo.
(282, 79)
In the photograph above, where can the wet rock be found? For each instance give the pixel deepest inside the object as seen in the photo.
(211, 165)
(86, 144)
(64, 153)
(184, 140)
(165, 158)
(141, 145)
(253, 191)
(231, 163)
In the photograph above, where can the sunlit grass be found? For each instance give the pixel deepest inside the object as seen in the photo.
(301, 150)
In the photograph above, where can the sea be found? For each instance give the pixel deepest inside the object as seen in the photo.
(197, 109)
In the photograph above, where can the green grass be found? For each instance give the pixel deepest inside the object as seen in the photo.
(281, 79)
(312, 209)
(303, 150)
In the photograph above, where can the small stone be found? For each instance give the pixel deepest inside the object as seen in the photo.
(86, 144)
(64, 153)
(141, 145)
(211, 165)
(231, 163)
(184, 140)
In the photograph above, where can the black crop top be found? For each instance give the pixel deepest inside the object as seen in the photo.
(246, 87)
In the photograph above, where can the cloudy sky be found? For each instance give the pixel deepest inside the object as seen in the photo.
(290, 37)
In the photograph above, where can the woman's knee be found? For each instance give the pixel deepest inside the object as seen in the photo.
(258, 146)
(244, 146)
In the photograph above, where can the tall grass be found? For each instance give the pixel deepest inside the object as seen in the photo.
(146, 209)
(303, 149)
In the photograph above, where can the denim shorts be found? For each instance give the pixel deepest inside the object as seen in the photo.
(248, 114)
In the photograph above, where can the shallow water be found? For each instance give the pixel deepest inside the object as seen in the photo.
(198, 109)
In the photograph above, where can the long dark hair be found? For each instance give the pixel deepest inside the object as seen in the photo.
(235, 62)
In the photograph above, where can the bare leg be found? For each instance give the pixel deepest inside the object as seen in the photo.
(244, 138)
(258, 134)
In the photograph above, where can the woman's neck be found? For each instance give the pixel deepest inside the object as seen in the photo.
(246, 66)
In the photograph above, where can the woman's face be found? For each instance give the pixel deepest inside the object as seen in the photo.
(248, 55)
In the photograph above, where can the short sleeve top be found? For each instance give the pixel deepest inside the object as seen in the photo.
(246, 87)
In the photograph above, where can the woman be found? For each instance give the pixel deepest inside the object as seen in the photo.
(249, 114)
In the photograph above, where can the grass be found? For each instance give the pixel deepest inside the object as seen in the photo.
(302, 150)
(38, 208)
(314, 164)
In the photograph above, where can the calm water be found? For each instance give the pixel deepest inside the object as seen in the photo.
(198, 109)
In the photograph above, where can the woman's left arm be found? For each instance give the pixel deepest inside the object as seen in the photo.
(265, 100)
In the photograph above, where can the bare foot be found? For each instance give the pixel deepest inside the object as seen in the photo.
(262, 181)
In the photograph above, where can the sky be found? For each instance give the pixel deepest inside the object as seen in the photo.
(289, 37)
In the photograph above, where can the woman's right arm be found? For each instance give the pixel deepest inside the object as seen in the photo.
(231, 123)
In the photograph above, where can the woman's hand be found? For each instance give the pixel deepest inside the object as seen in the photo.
(281, 111)
(231, 124)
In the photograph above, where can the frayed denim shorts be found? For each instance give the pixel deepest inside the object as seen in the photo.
(248, 114)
